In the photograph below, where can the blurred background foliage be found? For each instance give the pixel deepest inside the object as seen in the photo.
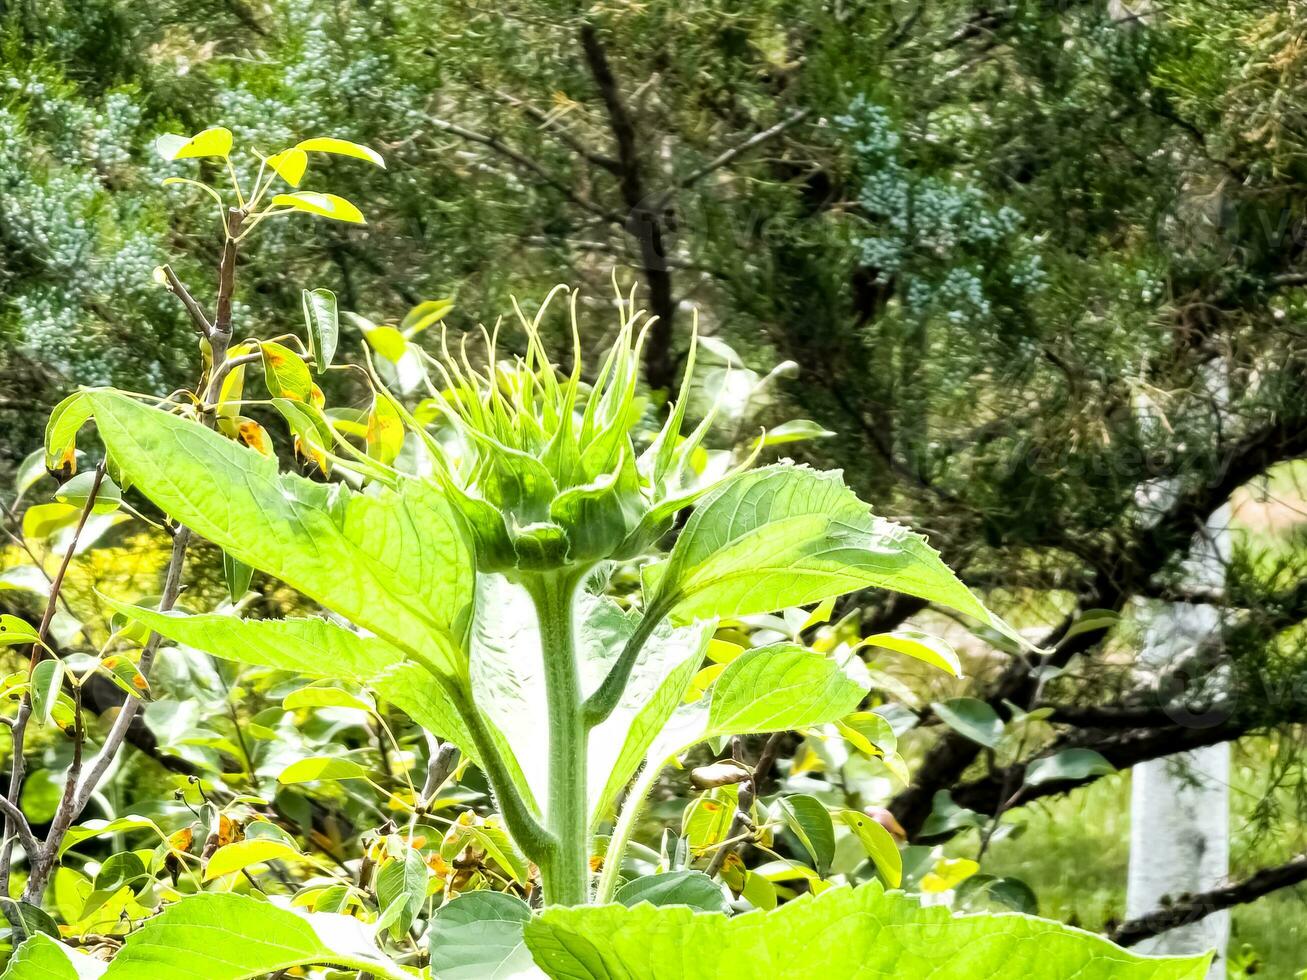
(1027, 259)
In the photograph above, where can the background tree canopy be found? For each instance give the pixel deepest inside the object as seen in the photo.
(1034, 270)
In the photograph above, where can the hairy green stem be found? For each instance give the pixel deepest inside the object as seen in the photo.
(566, 876)
(623, 830)
(535, 840)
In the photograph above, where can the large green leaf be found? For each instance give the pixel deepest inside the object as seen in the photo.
(395, 562)
(787, 535)
(508, 676)
(767, 689)
(478, 936)
(233, 937)
(843, 932)
(316, 648)
(692, 888)
(42, 958)
(776, 688)
(508, 681)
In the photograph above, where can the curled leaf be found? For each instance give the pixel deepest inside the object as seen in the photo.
(343, 148)
(324, 205)
(212, 142)
(14, 632)
(290, 165)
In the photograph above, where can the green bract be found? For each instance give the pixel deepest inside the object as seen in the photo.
(550, 476)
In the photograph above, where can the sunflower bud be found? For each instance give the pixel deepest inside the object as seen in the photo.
(550, 476)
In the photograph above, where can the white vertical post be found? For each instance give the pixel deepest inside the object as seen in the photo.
(1180, 806)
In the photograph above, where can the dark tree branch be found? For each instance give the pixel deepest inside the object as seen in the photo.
(725, 158)
(220, 333)
(950, 756)
(1133, 563)
(1109, 716)
(891, 614)
(644, 219)
(564, 135)
(987, 795)
(1191, 908)
(526, 163)
(1136, 730)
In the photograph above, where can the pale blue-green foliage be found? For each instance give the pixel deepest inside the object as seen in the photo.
(79, 296)
(328, 65)
(943, 236)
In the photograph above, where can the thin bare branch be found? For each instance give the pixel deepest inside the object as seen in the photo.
(644, 219)
(550, 124)
(15, 818)
(756, 140)
(740, 823)
(526, 163)
(175, 286)
(18, 732)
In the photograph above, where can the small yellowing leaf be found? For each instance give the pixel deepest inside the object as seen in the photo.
(879, 845)
(213, 142)
(385, 433)
(324, 205)
(233, 385)
(254, 435)
(702, 681)
(723, 651)
(320, 768)
(424, 315)
(344, 148)
(42, 521)
(920, 646)
(948, 873)
(243, 854)
(127, 676)
(285, 373)
(821, 614)
(386, 341)
(228, 830)
(181, 841)
(290, 165)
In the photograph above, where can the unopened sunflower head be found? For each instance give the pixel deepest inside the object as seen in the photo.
(551, 476)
